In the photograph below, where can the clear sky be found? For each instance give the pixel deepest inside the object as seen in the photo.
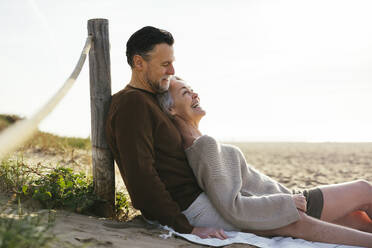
(265, 70)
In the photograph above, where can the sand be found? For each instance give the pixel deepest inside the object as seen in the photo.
(296, 165)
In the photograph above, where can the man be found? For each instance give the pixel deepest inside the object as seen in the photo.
(145, 143)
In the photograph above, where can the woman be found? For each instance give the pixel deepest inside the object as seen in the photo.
(237, 197)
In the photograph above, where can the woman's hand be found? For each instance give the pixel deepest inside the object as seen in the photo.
(209, 232)
(300, 202)
(188, 132)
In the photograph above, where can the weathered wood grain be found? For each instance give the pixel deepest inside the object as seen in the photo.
(100, 97)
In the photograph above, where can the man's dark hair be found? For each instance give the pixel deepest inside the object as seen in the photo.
(144, 40)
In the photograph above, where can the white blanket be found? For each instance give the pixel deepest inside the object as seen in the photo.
(251, 239)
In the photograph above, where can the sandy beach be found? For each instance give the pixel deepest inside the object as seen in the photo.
(296, 165)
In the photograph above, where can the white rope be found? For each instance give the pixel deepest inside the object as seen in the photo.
(17, 134)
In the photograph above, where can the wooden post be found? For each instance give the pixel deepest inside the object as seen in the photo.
(100, 97)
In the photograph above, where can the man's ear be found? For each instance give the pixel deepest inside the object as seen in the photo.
(138, 62)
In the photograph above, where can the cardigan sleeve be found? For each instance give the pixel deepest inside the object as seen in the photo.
(220, 171)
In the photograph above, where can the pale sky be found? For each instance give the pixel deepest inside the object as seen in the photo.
(264, 70)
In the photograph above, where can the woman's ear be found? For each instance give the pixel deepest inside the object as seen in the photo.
(172, 111)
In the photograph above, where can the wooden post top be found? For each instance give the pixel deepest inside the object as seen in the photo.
(98, 20)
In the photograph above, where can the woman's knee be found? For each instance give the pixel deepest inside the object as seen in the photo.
(364, 186)
(363, 190)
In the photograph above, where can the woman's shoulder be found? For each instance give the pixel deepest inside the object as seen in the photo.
(206, 141)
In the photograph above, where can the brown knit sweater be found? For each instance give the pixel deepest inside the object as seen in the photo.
(148, 150)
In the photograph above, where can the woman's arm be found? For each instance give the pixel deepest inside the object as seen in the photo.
(223, 174)
(219, 171)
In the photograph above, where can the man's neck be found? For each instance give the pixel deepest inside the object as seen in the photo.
(140, 83)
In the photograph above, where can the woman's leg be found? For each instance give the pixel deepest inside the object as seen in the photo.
(348, 204)
(357, 220)
(312, 229)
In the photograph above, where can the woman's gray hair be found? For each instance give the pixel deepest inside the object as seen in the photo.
(165, 99)
(166, 102)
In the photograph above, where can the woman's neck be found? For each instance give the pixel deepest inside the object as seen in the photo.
(193, 123)
(189, 130)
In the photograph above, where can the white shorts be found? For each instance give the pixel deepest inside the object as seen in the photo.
(202, 213)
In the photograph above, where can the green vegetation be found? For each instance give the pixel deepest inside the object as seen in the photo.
(61, 188)
(14, 174)
(54, 187)
(25, 231)
(121, 206)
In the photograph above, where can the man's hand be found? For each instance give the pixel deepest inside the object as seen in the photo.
(300, 202)
(209, 232)
(188, 132)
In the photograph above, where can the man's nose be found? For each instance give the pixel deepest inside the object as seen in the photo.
(195, 95)
(170, 70)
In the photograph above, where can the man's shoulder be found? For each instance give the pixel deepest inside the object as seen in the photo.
(130, 93)
(130, 97)
(132, 101)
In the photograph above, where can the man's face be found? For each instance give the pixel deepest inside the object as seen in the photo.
(159, 67)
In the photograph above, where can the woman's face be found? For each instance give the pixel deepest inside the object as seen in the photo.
(186, 101)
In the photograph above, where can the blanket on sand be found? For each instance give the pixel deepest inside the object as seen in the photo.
(245, 238)
(252, 239)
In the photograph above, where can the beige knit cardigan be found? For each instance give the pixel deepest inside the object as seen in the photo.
(245, 197)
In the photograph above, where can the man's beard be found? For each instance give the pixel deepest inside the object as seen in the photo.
(157, 86)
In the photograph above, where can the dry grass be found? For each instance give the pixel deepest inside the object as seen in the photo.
(7, 120)
(49, 150)
(47, 142)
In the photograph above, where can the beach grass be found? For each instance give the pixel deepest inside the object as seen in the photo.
(53, 186)
(25, 231)
(46, 141)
